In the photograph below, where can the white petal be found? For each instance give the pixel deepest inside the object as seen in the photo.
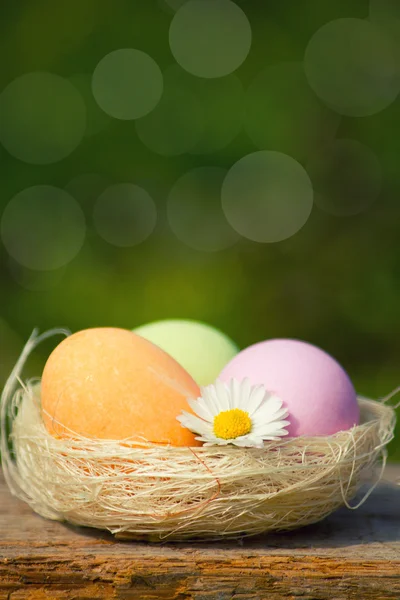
(244, 394)
(257, 395)
(217, 442)
(266, 413)
(265, 409)
(205, 438)
(269, 420)
(275, 433)
(267, 428)
(248, 442)
(275, 437)
(223, 394)
(283, 412)
(201, 409)
(273, 402)
(193, 423)
(235, 390)
(208, 444)
(210, 399)
(219, 403)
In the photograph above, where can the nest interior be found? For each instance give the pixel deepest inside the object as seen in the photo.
(165, 493)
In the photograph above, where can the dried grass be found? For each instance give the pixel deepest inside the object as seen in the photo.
(167, 493)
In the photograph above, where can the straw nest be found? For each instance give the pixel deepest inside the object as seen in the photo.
(167, 493)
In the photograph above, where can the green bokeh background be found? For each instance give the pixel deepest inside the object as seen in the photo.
(336, 283)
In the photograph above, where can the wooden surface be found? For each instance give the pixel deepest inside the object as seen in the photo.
(352, 554)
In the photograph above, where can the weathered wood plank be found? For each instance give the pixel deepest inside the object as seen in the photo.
(352, 554)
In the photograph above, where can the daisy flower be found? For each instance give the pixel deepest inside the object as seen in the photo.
(236, 413)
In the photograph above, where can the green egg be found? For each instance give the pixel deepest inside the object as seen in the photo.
(201, 349)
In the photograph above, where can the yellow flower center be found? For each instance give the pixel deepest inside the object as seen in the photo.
(230, 424)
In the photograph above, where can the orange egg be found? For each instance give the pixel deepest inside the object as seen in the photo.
(110, 383)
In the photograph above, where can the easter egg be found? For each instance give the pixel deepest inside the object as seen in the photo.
(314, 388)
(109, 383)
(201, 349)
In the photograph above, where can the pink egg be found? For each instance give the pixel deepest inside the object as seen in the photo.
(315, 389)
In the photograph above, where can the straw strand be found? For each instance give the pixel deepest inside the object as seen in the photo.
(141, 490)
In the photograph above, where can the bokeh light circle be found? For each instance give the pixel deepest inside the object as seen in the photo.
(176, 125)
(221, 107)
(350, 64)
(267, 196)
(171, 5)
(43, 228)
(124, 215)
(210, 38)
(346, 177)
(87, 187)
(127, 84)
(35, 281)
(42, 118)
(384, 10)
(386, 15)
(194, 210)
(97, 120)
(283, 113)
(222, 100)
